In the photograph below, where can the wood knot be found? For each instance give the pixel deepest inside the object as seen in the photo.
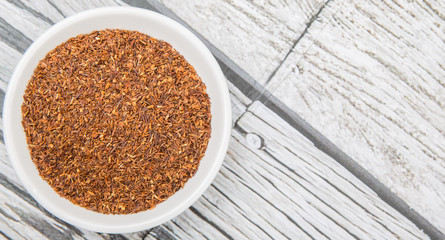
(254, 141)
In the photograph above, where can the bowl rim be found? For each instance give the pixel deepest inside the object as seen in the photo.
(9, 131)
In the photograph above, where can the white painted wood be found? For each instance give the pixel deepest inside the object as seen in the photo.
(254, 34)
(22, 218)
(68, 8)
(311, 180)
(44, 8)
(274, 182)
(259, 193)
(255, 196)
(370, 76)
(285, 189)
(239, 102)
(30, 25)
(8, 61)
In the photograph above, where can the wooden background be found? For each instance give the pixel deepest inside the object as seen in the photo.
(338, 115)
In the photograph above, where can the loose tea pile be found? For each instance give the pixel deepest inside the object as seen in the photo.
(116, 121)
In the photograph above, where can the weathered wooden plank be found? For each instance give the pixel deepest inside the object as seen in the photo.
(68, 8)
(254, 34)
(10, 58)
(40, 9)
(252, 197)
(321, 176)
(369, 75)
(275, 184)
(28, 24)
(258, 196)
(20, 220)
(327, 146)
(253, 90)
(23, 21)
(21, 217)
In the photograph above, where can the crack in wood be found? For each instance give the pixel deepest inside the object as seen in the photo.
(161, 233)
(209, 206)
(352, 166)
(312, 225)
(275, 207)
(27, 197)
(5, 236)
(242, 213)
(253, 90)
(308, 25)
(43, 227)
(116, 237)
(182, 229)
(2, 212)
(195, 211)
(304, 187)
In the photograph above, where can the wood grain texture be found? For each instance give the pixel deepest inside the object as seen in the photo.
(370, 76)
(254, 34)
(274, 183)
(269, 187)
(20, 216)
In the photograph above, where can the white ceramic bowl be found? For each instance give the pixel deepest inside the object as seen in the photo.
(155, 25)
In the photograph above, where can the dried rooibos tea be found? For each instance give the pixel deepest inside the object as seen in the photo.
(116, 121)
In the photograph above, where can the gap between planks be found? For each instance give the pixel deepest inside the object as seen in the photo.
(232, 69)
(255, 91)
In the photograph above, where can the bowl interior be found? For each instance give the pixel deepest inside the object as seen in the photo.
(156, 26)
